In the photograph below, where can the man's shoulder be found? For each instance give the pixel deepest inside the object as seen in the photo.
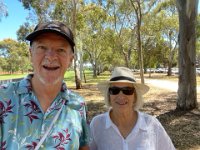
(74, 96)
(75, 101)
(8, 88)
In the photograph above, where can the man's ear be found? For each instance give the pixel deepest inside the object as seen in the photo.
(30, 54)
(71, 59)
(30, 51)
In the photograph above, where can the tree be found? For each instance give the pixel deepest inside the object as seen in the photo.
(14, 56)
(3, 10)
(23, 31)
(187, 95)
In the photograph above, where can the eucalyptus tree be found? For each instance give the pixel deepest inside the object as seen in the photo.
(153, 42)
(187, 95)
(94, 38)
(3, 10)
(167, 8)
(198, 41)
(170, 33)
(23, 31)
(14, 56)
(123, 26)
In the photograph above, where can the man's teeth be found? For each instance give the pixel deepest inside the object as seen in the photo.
(50, 68)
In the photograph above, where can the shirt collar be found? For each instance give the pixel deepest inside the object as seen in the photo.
(108, 120)
(141, 123)
(26, 87)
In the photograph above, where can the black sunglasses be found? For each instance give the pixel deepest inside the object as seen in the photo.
(125, 90)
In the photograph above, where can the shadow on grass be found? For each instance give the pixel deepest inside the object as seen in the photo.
(95, 108)
(183, 127)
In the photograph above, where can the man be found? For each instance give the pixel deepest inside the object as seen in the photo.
(39, 112)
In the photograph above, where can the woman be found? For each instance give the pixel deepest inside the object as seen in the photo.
(124, 127)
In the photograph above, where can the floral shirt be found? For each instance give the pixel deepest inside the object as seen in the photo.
(23, 122)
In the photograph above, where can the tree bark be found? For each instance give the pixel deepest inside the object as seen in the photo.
(138, 12)
(187, 92)
(76, 70)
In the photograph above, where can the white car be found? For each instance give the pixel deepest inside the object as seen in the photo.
(198, 71)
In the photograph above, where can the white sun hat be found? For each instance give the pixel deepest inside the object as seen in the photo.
(123, 75)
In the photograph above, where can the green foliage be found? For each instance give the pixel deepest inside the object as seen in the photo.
(14, 56)
(3, 10)
(23, 31)
(105, 31)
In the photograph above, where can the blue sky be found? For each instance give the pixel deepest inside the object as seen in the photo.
(17, 16)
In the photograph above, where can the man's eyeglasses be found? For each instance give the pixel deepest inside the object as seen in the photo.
(125, 90)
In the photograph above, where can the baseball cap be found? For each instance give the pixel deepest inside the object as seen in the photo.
(55, 27)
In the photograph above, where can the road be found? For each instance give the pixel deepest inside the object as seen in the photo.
(169, 85)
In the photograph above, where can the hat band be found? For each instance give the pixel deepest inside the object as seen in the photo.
(122, 78)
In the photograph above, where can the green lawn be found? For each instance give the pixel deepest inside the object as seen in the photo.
(11, 76)
(88, 77)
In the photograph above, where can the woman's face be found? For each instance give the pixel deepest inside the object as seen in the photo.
(122, 96)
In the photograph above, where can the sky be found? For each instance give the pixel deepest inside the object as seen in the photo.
(17, 16)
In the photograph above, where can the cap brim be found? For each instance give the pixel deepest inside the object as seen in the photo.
(33, 35)
(142, 88)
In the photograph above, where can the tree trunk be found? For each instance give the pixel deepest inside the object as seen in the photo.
(187, 93)
(169, 72)
(140, 54)
(76, 70)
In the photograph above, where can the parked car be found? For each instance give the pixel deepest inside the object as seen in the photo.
(198, 71)
(175, 71)
(161, 70)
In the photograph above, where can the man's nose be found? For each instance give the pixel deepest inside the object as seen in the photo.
(51, 52)
(51, 55)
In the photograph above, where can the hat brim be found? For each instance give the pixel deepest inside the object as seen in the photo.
(33, 35)
(141, 88)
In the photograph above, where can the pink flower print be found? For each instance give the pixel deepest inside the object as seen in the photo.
(4, 110)
(62, 138)
(34, 110)
(31, 146)
(2, 146)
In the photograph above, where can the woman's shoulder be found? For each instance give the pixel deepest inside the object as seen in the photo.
(100, 118)
(149, 119)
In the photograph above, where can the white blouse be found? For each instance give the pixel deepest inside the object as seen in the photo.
(148, 134)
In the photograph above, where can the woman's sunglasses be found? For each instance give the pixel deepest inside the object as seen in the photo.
(125, 90)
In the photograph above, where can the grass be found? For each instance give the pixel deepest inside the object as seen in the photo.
(88, 77)
(183, 127)
(11, 76)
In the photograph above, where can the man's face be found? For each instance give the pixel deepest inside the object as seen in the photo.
(51, 56)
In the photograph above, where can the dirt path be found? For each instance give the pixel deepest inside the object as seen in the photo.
(168, 85)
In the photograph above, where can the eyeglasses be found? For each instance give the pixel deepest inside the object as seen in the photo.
(125, 90)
